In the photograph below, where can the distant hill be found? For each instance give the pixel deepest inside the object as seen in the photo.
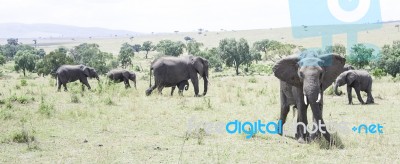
(19, 30)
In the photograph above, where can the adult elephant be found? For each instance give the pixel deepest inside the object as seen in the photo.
(170, 71)
(71, 73)
(121, 75)
(359, 80)
(303, 79)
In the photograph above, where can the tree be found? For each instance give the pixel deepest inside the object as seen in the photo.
(90, 55)
(40, 53)
(170, 48)
(50, 63)
(193, 46)
(137, 47)
(2, 59)
(235, 53)
(25, 60)
(281, 50)
(262, 46)
(337, 48)
(390, 59)
(213, 57)
(360, 55)
(125, 55)
(147, 46)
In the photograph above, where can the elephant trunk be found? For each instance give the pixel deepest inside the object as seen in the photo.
(312, 92)
(337, 92)
(205, 85)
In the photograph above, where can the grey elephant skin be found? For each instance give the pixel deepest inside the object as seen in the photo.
(360, 80)
(121, 75)
(347, 67)
(71, 73)
(303, 79)
(170, 71)
(181, 86)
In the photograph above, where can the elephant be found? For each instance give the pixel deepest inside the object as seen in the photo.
(170, 71)
(347, 67)
(360, 80)
(303, 79)
(120, 75)
(181, 85)
(71, 73)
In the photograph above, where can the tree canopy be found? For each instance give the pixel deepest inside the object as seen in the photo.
(170, 48)
(235, 53)
(126, 53)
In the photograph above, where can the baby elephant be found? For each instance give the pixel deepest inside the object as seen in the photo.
(357, 79)
(119, 75)
(181, 85)
(71, 73)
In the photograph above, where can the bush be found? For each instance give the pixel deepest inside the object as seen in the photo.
(24, 82)
(75, 98)
(46, 109)
(378, 73)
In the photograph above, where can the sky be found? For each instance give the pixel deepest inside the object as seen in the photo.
(163, 15)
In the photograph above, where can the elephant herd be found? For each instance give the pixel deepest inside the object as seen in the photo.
(303, 79)
(168, 72)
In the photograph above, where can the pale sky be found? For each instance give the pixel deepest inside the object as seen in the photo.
(162, 15)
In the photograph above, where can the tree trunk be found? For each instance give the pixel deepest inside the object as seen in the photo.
(147, 52)
(237, 69)
(23, 70)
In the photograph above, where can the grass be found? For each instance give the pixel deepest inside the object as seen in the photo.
(133, 127)
(111, 124)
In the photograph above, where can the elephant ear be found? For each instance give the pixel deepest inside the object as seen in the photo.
(126, 74)
(286, 70)
(198, 65)
(350, 77)
(333, 66)
(86, 71)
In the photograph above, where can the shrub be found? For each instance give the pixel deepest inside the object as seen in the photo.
(75, 98)
(24, 82)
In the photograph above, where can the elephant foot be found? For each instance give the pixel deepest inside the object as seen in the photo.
(315, 136)
(148, 92)
(301, 140)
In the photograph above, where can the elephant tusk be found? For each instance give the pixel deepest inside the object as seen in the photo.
(305, 99)
(319, 98)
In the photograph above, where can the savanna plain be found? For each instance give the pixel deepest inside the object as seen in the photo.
(111, 124)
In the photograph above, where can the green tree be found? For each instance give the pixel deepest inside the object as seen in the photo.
(337, 48)
(235, 53)
(193, 46)
(360, 55)
(170, 48)
(90, 55)
(41, 53)
(213, 57)
(25, 60)
(126, 53)
(390, 59)
(50, 63)
(2, 59)
(147, 46)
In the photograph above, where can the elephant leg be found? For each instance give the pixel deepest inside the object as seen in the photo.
(160, 88)
(65, 87)
(285, 108)
(317, 133)
(301, 127)
(370, 99)
(349, 95)
(59, 86)
(127, 85)
(84, 81)
(148, 91)
(195, 82)
(317, 114)
(172, 90)
(359, 96)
